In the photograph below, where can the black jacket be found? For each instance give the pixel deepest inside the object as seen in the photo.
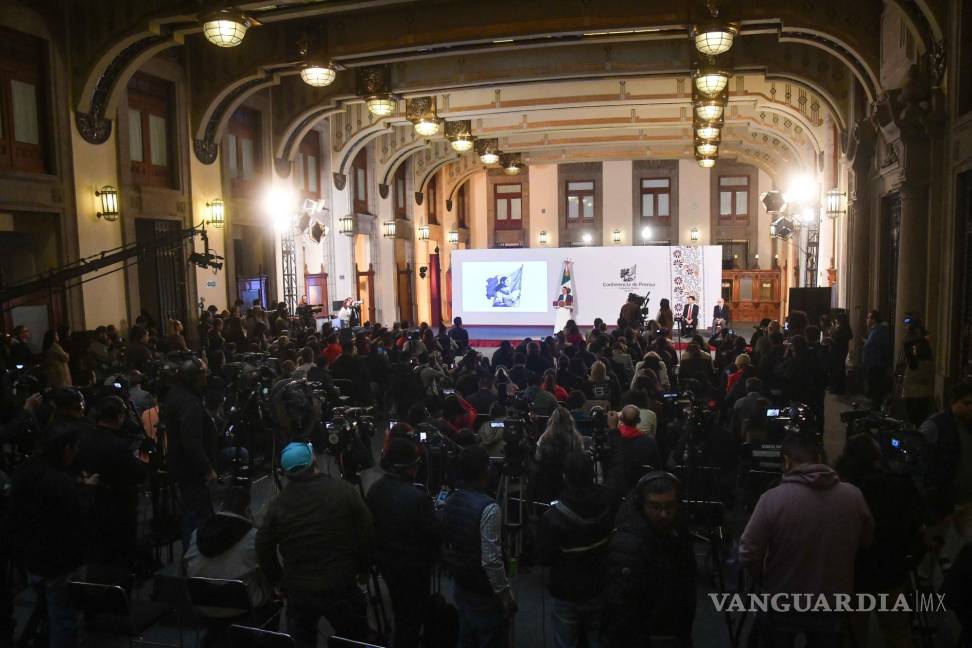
(651, 581)
(324, 534)
(629, 458)
(406, 528)
(191, 436)
(572, 540)
(48, 517)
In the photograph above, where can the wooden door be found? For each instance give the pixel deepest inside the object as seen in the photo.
(366, 293)
(405, 300)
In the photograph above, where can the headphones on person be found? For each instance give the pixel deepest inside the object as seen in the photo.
(649, 477)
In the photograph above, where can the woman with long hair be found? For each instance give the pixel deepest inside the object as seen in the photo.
(559, 439)
(665, 316)
(600, 386)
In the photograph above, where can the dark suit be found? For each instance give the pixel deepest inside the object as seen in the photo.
(720, 313)
(690, 311)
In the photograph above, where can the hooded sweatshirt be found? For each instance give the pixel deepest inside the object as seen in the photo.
(804, 534)
(224, 547)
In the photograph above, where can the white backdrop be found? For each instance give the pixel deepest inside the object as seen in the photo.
(603, 277)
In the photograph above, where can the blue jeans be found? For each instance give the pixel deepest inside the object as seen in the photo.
(62, 619)
(482, 621)
(577, 623)
(197, 505)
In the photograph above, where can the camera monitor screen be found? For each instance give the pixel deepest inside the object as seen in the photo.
(773, 412)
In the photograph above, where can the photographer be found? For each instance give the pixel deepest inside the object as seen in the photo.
(408, 535)
(322, 531)
(473, 555)
(650, 567)
(631, 311)
(898, 513)
(192, 439)
(948, 478)
(634, 453)
(572, 540)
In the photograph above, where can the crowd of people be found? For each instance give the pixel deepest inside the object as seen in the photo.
(598, 425)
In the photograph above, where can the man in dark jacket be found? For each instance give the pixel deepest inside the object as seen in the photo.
(49, 520)
(472, 552)
(459, 335)
(192, 441)
(484, 397)
(103, 451)
(407, 539)
(572, 540)
(948, 477)
(324, 535)
(650, 567)
(876, 358)
(633, 453)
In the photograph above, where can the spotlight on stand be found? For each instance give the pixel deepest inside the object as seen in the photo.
(773, 201)
(782, 228)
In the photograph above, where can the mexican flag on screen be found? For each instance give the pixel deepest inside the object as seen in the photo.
(568, 278)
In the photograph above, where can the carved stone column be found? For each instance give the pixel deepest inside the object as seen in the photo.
(860, 152)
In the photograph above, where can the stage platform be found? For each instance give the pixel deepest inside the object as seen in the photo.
(491, 336)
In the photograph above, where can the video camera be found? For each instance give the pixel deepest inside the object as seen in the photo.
(902, 447)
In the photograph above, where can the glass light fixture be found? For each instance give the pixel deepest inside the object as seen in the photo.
(706, 162)
(513, 168)
(381, 105)
(646, 233)
(389, 229)
(426, 127)
(834, 203)
(708, 132)
(346, 225)
(695, 234)
(715, 38)
(461, 143)
(616, 236)
(710, 80)
(318, 76)
(488, 150)
(709, 111)
(542, 237)
(489, 158)
(108, 197)
(217, 213)
(707, 149)
(225, 28)
(423, 232)
(454, 236)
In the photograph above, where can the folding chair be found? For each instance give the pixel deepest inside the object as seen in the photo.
(225, 602)
(247, 637)
(108, 608)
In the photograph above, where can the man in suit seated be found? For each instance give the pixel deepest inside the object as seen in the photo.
(690, 317)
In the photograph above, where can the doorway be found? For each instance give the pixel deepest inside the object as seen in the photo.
(161, 273)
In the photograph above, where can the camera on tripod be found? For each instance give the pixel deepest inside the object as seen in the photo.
(902, 447)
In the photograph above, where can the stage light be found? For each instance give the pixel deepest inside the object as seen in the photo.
(809, 215)
(695, 235)
(616, 236)
(587, 238)
(217, 213)
(773, 201)
(280, 203)
(646, 233)
(108, 197)
(801, 189)
(542, 237)
(225, 28)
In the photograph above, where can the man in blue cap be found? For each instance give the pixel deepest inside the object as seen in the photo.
(324, 534)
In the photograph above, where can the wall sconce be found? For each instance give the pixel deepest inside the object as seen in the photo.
(695, 235)
(587, 238)
(346, 225)
(217, 213)
(756, 261)
(542, 237)
(423, 232)
(646, 233)
(616, 236)
(454, 237)
(109, 203)
(835, 203)
(389, 228)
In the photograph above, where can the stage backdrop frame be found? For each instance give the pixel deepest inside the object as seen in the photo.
(603, 277)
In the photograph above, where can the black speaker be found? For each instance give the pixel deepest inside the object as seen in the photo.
(812, 301)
